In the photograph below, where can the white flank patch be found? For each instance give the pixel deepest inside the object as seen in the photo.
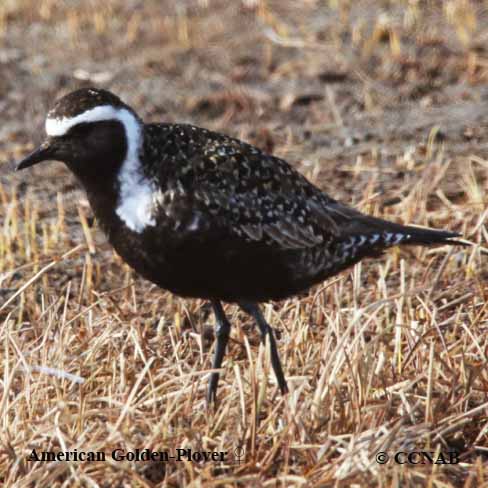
(136, 192)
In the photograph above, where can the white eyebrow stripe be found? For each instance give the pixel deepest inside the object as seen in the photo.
(60, 126)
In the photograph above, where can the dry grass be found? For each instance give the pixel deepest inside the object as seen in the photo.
(383, 104)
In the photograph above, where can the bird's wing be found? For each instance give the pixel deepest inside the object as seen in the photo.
(216, 180)
(276, 219)
(260, 197)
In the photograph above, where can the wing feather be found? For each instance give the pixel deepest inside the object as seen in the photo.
(258, 197)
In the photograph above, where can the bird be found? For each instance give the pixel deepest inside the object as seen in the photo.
(205, 215)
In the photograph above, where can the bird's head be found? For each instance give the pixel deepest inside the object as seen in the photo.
(91, 131)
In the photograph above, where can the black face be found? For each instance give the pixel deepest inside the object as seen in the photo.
(93, 150)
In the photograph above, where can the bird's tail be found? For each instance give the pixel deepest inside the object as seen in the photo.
(371, 236)
(393, 234)
(364, 231)
(362, 235)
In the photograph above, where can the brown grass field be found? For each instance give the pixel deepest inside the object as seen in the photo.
(384, 105)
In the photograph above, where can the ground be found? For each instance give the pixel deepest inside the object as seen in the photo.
(384, 105)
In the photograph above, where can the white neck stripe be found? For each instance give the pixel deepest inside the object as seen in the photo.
(136, 191)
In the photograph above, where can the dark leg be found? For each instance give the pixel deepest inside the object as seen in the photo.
(253, 310)
(222, 332)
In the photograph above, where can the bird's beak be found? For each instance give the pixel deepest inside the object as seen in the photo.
(42, 153)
